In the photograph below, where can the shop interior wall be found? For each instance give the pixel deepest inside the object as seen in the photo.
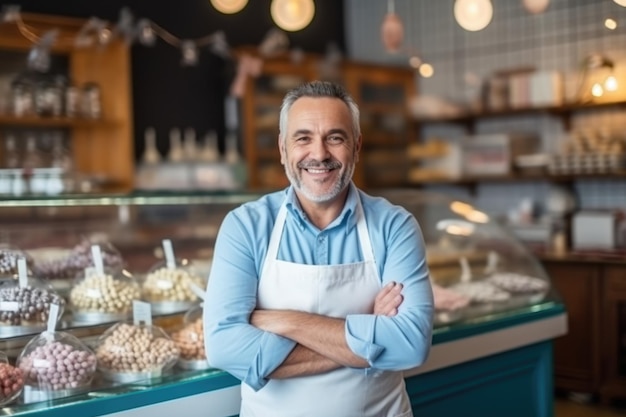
(165, 93)
(557, 39)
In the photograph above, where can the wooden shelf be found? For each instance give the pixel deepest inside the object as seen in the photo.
(473, 180)
(36, 121)
(471, 117)
(99, 147)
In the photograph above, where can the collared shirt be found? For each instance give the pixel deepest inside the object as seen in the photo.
(387, 343)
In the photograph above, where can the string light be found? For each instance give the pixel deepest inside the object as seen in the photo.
(97, 31)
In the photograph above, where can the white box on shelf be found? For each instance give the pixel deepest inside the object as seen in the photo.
(546, 89)
(596, 230)
(493, 154)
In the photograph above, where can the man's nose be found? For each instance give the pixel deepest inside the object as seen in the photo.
(319, 150)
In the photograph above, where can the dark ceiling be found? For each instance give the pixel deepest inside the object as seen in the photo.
(166, 94)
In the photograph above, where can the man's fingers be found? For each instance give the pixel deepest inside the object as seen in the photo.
(388, 300)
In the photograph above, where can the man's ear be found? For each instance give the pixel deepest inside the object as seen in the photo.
(281, 149)
(357, 148)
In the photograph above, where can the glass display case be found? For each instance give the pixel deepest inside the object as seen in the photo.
(480, 273)
(476, 266)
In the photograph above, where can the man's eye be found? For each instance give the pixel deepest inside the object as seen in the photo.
(335, 139)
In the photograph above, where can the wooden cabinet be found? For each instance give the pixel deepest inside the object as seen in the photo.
(261, 107)
(614, 342)
(100, 147)
(591, 358)
(382, 93)
(577, 355)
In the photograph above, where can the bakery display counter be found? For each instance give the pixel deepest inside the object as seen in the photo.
(497, 313)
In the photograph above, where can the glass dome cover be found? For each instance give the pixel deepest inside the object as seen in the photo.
(170, 288)
(190, 341)
(11, 381)
(25, 304)
(476, 265)
(57, 361)
(101, 297)
(128, 352)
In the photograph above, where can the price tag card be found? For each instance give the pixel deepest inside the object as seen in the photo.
(170, 259)
(142, 313)
(22, 273)
(9, 306)
(52, 317)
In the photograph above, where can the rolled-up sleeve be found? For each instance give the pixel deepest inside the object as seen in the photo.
(403, 341)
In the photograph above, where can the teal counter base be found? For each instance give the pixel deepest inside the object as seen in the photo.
(516, 383)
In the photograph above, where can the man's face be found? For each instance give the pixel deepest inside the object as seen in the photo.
(319, 151)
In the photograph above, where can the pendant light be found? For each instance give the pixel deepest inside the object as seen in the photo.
(392, 29)
(621, 2)
(536, 6)
(292, 15)
(473, 15)
(229, 6)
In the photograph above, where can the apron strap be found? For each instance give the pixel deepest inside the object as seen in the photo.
(277, 232)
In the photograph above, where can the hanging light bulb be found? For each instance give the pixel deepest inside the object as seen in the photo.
(392, 29)
(145, 33)
(597, 90)
(536, 6)
(292, 15)
(621, 2)
(473, 15)
(189, 51)
(39, 56)
(229, 6)
(610, 84)
(426, 70)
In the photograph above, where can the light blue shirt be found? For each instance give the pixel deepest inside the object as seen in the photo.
(387, 343)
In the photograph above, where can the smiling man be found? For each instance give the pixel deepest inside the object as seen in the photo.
(319, 296)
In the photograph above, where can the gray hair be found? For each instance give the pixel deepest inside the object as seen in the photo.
(319, 89)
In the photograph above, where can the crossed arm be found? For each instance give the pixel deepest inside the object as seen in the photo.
(321, 340)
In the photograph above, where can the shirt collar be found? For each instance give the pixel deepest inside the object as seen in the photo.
(347, 215)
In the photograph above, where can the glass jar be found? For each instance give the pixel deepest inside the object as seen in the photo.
(91, 101)
(22, 98)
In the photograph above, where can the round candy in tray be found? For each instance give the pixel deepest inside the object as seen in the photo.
(103, 297)
(11, 383)
(57, 364)
(190, 341)
(128, 352)
(25, 309)
(518, 283)
(73, 263)
(481, 292)
(8, 262)
(170, 289)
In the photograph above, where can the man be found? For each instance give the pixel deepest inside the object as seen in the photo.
(319, 296)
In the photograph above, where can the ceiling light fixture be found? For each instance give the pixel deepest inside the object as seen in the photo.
(229, 6)
(292, 15)
(473, 15)
(536, 6)
(621, 2)
(392, 29)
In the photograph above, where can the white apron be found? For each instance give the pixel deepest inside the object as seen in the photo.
(330, 290)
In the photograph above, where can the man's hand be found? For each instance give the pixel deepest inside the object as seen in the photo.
(388, 300)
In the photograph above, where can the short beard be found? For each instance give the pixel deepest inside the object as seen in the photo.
(337, 188)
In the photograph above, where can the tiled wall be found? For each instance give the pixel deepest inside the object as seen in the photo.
(558, 39)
